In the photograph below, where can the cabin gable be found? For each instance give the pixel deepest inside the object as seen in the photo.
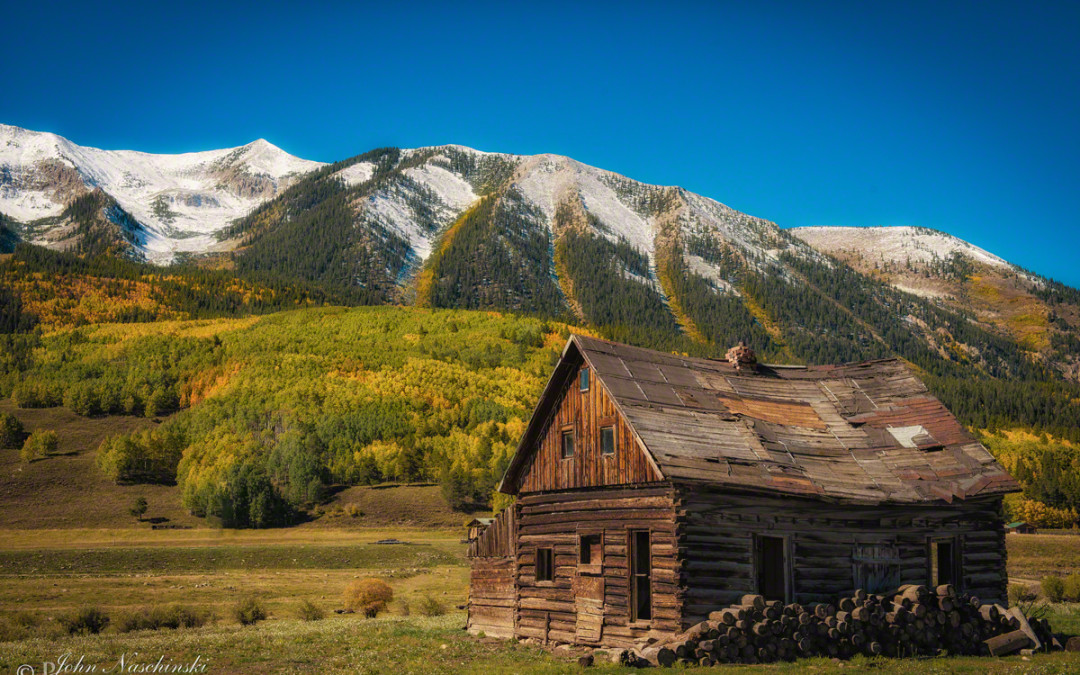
(586, 412)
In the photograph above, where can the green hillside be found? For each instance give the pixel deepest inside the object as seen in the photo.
(275, 409)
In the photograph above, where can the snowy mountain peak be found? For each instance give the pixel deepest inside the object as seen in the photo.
(181, 200)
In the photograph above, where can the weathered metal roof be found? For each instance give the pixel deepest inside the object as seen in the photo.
(865, 432)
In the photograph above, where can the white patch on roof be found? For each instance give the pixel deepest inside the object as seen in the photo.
(905, 436)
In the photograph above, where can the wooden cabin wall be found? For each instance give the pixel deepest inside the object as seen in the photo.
(492, 594)
(492, 597)
(585, 413)
(716, 545)
(559, 610)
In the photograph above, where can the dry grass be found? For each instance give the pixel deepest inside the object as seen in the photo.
(1033, 556)
(67, 490)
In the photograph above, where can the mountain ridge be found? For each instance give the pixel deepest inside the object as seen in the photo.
(449, 226)
(177, 199)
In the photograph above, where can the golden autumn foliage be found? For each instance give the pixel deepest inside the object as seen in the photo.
(369, 596)
(273, 410)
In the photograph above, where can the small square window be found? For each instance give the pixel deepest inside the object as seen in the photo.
(607, 440)
(590, 552)
(545, 564)
(584, 379)
(567, 444)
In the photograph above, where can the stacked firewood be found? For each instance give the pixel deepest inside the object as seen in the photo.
(913, 620)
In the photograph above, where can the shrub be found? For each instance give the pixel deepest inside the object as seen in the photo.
(1053, 588)
(402, 607)
(1072, 587)
(38, 445)
(368, 596)
(429, 606)
(138, 508)
(84, 621)
(156, 618)
(309, 611)
(11, 431)
(353, 511)
(248, 612)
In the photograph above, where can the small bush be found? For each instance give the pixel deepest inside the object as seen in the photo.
(309, 611)
(1053, 588)
(11, 431)
(429, 606)
(1072, 587)
(138, 508)
(369, 596)
(40, 444)
(353, 511)
(84, 621)
(156, 618)
(248, 612)
(402, 607)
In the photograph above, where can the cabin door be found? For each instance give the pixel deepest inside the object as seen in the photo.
(589, 603)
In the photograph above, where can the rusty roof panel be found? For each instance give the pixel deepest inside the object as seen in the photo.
(866, 432)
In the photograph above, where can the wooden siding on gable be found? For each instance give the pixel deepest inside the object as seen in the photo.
(585, 413)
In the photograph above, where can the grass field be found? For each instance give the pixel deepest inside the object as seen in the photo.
(413, 645)
(1033, 556)
(67, 542)
(47, 573)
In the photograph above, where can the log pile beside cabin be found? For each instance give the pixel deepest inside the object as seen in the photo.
(655, 490)
(912, 621)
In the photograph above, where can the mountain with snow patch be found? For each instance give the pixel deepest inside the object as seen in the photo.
(177, 202)
(450, 226)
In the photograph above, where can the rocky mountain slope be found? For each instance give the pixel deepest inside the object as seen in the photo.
(1039, 313)
(159, 204)
(656, 265)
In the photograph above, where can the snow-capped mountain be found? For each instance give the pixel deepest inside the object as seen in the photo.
(450, 226)
(179, 201)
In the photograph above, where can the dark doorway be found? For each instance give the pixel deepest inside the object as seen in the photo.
(640, 576)
(772, 568)
(944, 562)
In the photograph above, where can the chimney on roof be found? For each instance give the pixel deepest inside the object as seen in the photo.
(741, 355)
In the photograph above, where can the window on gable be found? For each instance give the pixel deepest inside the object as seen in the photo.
(567, 443)
(584, 379)
(545, 564)
(607, 440)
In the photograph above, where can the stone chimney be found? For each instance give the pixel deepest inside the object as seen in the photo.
(741, 355)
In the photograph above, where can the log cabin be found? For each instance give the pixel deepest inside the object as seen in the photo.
(652, 489)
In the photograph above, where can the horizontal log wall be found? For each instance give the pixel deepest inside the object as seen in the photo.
(584, 413)
(547, 610)
(715, 535)
(492, 597)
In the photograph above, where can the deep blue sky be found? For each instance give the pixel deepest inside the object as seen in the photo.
(964, 117)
